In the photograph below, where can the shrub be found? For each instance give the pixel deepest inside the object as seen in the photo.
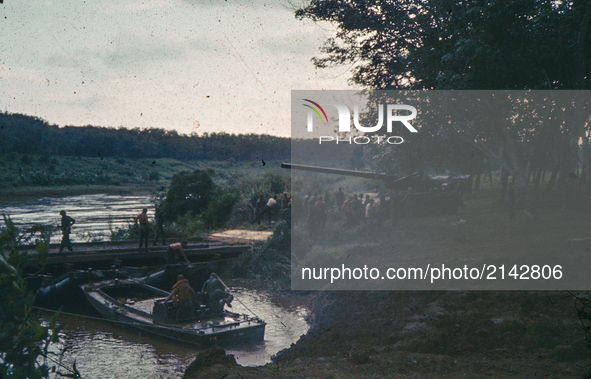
(23, 340)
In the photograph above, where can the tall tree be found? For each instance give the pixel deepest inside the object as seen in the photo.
(473, 44)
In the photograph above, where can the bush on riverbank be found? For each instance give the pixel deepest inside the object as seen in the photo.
(24, 340)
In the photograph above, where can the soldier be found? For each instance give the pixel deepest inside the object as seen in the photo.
(271, 208)
(216, 294)
(286, 215)
(320, 212)
(159, 218)
(181, 291)
(284, 201)
(181, 296)
(339, 199)
(258, 209)
(66, 225)
(173, 248)
(144, 223)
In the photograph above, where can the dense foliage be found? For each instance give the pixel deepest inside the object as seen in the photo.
(30, 135)
(458, 44)
(23, 340)
(194, 197)
(474, 44)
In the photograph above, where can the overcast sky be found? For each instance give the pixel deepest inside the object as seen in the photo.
(190, 65)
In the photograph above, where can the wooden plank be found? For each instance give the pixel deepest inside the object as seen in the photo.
(96, 256)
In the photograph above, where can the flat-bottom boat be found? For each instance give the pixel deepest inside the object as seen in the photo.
(140, 306)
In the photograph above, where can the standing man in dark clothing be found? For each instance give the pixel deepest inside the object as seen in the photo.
(67, 223)
(284, 201)
(159, 217)
(320, 212)
(286, 215)
(258, 209)
(339, 199)
(142, 219)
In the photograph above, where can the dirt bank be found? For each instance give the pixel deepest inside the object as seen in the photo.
(427, 334)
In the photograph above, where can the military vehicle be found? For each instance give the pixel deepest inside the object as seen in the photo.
(412, 195)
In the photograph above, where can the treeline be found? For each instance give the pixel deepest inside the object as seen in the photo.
(31, 135)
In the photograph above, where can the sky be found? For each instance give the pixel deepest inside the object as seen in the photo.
(195, 66)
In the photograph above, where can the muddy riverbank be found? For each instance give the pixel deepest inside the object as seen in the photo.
(427, 334)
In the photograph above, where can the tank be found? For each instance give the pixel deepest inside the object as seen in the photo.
(412, 195)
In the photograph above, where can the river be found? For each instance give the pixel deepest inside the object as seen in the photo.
(104, 350)
(95, 215)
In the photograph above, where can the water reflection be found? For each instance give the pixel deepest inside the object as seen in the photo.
(103, 350)
(95, 215)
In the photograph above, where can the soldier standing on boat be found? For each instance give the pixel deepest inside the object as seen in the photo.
(159, 218)
(173, 248)
(142, 219)
(66, 225)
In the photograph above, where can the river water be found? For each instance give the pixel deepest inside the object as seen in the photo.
(95, 215)
(102, 349)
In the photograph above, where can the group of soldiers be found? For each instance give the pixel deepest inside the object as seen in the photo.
(183, 297)
(271, 208)
(214, 293)
(174, 249)
(357, 209)
(143, 223)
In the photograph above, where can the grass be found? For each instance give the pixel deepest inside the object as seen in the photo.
(34, 176)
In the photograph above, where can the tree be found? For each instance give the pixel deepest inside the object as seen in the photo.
(189, 192)
(474, 44)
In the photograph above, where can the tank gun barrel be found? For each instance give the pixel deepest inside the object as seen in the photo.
(390, 179)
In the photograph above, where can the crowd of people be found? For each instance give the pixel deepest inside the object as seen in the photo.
(272, 208)
(356, 209)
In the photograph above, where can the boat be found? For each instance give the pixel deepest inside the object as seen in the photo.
(140, 306)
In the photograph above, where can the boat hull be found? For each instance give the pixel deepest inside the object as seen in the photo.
(245, 331)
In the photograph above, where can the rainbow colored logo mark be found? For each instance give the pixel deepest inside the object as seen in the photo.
(315, 110)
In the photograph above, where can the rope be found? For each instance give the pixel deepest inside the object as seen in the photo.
(244, 305)
(75, 371)
(136, 324)
(102, 319)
